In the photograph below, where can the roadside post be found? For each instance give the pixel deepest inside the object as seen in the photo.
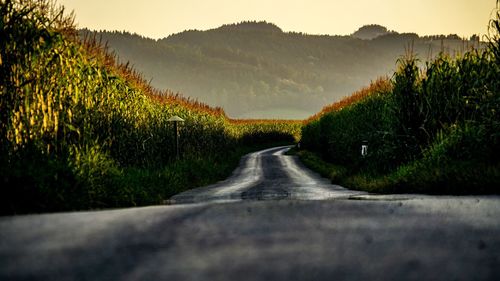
(176, 120)
(364, 148)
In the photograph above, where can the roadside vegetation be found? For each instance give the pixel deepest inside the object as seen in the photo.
(80, 131)
(433, 127)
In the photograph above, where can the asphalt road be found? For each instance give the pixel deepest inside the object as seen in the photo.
(267, 175)
(272, 220)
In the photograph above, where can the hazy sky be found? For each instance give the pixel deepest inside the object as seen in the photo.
(160, 18)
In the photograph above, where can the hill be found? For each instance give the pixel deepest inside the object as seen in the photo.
(369, 32)
(255, 70)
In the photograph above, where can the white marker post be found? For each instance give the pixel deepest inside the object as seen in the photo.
(364, 148)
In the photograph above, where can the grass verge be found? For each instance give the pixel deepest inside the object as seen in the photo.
(424, 176)
(35, 184)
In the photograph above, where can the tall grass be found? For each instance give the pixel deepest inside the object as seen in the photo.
(74, 123)
(428, 131)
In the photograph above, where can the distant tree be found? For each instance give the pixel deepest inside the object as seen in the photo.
(474, 38)
(453, 37)
(369, 32)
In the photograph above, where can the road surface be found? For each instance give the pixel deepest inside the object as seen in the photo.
(267, 175)
(272, 220)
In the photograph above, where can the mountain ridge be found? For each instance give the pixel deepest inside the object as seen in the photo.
(253, 69)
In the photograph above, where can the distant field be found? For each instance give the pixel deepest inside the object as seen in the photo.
(281, 113)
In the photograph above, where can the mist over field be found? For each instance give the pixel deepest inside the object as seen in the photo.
(255, 70)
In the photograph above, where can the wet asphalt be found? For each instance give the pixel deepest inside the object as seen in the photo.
(271, 220)
(267, 175)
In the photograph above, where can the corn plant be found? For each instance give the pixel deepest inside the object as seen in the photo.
(69, 103)
(449, 95)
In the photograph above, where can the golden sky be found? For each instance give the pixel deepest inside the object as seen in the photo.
(160, 18)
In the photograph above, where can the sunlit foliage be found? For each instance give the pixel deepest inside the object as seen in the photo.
(73, 119)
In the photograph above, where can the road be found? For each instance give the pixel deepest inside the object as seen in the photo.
(272, 220)
(267, 175)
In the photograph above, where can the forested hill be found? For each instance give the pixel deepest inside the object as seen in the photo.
(255, 70)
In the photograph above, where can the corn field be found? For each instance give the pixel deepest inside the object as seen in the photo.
(68, 104)
(432, 125)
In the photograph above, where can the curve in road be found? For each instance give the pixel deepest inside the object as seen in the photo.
(267, 175)
(375, 237)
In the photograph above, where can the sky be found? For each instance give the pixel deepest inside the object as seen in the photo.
(160, 18)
